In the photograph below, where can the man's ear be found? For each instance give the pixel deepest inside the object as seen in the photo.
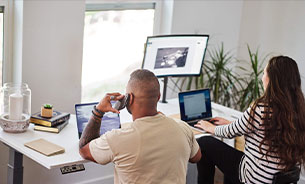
(159, 96)
(131, 99)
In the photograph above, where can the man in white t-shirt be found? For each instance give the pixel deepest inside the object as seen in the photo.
(152, 149)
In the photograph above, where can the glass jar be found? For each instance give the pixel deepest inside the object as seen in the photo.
(15, 107)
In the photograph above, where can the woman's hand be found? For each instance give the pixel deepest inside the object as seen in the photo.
(206, 126)
(220, 121)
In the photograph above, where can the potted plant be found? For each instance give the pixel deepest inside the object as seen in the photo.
(47, 111)
(221, 79)
(252, 83)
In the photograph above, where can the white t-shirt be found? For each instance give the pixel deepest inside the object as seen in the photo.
(152, 149)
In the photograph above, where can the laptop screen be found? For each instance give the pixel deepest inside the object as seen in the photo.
(83, 113)
(195, 104)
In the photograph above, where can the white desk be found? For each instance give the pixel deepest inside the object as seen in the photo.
(68, 138)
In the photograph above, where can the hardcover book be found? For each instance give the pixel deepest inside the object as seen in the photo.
(57, 118)
(55, 129)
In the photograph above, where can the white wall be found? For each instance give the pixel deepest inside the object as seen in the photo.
(219, 19)
(275, 27)
(52, 52)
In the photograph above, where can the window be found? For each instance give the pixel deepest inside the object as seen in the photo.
(114, 40)
(1, 42)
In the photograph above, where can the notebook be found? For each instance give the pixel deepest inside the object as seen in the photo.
(195, 105)
(83, 113)
(45, 147)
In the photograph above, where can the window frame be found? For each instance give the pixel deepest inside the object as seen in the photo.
(119, 6)
(103, 5)
(7, 40)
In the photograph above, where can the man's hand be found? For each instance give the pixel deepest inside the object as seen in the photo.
(105, 104)
(92, 130)
(206, 126)
(220, 121)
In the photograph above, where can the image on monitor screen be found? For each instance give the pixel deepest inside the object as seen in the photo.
(171, 57)
(175, 55)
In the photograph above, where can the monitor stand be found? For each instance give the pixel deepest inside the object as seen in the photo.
(164, 90)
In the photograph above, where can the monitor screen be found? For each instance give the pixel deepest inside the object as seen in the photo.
(175, 55)
(195, 104)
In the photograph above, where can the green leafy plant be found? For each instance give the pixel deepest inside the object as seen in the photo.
(47, 106)
(221, 79)
(253, 86)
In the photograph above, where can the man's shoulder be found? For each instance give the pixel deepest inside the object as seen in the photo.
(180, 123)
(120, 138)
(126, 130)
(173, 120)
(170, 118)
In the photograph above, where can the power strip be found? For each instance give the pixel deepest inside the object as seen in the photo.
(72, 168)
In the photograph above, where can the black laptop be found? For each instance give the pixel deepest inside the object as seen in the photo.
(195, 105)
(83, 113)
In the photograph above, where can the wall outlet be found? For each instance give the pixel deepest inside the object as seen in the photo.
(72, 168)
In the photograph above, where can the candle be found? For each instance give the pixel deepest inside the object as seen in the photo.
(16, 106)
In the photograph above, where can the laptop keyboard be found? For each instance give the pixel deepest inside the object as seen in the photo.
(194, 122)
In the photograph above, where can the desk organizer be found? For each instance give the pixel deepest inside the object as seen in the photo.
(15, 107)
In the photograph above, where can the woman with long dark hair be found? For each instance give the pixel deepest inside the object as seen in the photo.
(273, 126)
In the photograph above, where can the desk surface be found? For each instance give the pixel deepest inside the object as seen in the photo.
(68, 137)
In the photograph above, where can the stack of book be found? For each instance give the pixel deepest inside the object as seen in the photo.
(54, 124)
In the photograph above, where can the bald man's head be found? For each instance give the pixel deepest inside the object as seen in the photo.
(144, 85)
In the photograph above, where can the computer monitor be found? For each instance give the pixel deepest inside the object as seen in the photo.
(175, 55)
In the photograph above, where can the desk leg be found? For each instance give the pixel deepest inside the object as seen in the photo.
(14, 167)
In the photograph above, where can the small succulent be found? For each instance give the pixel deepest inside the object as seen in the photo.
(48, 106)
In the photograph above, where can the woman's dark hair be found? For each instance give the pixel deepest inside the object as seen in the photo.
(284, 120)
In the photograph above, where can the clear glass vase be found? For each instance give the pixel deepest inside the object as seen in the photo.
(15, 107)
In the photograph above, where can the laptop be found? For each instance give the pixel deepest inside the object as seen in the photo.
(195, 105)
(83, 113)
